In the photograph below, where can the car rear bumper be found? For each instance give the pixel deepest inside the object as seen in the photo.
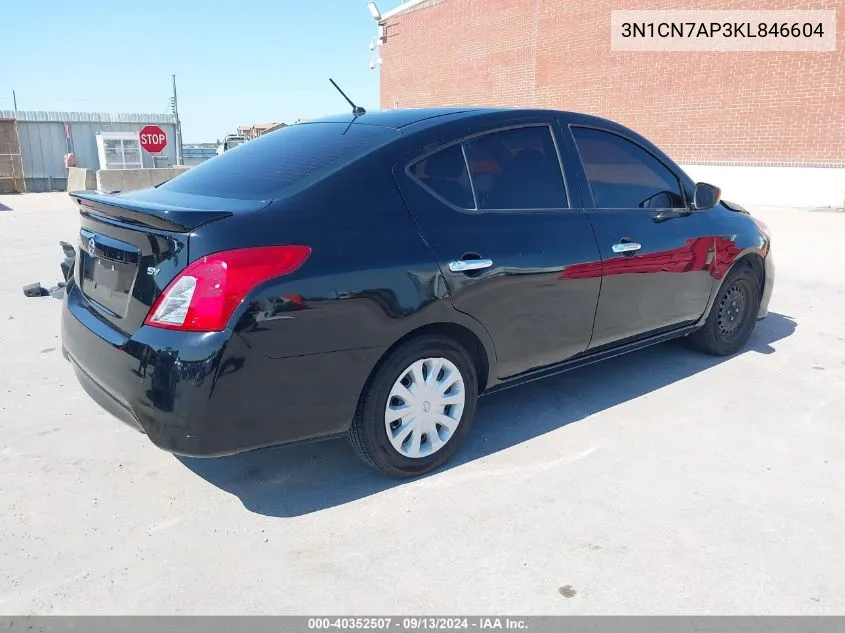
(101, 396)
(209, 394)
(768, 285)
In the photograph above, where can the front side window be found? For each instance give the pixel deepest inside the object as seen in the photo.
(622, 175)
(516, 169)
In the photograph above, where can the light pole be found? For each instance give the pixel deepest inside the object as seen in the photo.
(175, 107)
(374, 11)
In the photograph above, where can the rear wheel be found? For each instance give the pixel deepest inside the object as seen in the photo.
(416, 408)
(733, 315)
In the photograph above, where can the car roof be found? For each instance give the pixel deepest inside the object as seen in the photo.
(402, 117)
(421, 118)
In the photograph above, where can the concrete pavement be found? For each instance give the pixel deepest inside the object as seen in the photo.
(664, 482)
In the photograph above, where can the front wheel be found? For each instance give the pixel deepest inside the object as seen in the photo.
(416, 408)
(733, 315)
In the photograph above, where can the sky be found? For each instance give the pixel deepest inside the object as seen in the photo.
(236, 63)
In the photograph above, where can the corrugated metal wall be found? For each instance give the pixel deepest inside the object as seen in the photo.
(44, 143)
(42, 152)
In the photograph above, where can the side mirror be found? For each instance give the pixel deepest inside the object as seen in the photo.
(706, 196)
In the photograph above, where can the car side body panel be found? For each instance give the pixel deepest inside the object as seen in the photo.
(535, 315)
(673, 277)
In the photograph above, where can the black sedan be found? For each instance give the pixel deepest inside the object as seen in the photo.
(371, 275)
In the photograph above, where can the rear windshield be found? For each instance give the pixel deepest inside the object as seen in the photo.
(271, 164)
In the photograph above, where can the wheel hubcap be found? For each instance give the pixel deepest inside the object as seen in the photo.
(424, 407)
(731, 310)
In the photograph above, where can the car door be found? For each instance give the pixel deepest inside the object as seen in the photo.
(504, 227)
(655, 251)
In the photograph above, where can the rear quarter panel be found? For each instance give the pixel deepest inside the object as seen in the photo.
(369, 281)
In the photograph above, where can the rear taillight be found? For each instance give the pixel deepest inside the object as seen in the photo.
(203, 297)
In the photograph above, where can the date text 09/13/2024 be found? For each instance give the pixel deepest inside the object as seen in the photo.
(416, 623)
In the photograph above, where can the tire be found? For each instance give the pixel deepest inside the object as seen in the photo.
(369, 433)
(728, 326)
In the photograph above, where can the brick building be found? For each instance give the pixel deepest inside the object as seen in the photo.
(744, 120)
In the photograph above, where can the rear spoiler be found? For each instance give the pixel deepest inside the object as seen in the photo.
(146, 214)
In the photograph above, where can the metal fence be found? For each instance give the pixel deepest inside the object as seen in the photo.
(45, 137)
(193, 155)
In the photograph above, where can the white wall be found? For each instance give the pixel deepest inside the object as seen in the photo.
(776, 186)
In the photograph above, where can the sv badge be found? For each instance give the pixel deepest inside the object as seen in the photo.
(152, 271)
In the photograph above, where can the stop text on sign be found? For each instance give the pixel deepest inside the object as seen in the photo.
(153, 139)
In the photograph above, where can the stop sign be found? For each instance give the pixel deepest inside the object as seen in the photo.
(153, 139)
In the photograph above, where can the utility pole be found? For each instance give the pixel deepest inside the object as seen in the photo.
(18, 142)
(175, 104)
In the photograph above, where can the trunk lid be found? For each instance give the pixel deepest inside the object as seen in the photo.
(132, 245)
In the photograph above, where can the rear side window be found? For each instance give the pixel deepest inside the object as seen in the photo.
(622, 175)
(269, 165)
(516, 169)
(509, 170)
(444, 174)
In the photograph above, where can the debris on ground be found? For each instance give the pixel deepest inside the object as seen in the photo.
(37, 290)
(57, 291)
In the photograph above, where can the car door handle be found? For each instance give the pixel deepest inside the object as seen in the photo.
(464, 265)
(626, 247)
